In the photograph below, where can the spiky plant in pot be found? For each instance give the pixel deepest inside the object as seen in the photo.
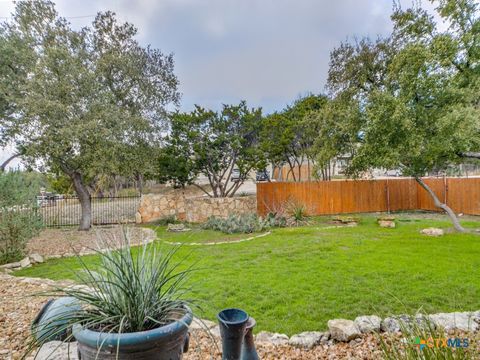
(132, 305)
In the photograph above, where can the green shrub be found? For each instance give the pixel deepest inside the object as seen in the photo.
(19, 220)
(246, 223)
(164, 221)
(16, 228)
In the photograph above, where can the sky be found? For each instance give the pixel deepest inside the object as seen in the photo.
(267, 52)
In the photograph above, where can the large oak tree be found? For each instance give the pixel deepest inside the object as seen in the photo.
(411, 101)
(81, 101)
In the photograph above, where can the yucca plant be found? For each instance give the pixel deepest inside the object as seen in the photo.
(422, 340)
(131, 290)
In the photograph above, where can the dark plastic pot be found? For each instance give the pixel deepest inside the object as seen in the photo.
(164, 343)
(248, 347)
(232, 329)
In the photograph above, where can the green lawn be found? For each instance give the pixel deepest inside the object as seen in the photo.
(298, 278)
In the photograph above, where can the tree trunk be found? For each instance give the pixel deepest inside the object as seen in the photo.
(140, 183)
(439, 204)
(85, 201)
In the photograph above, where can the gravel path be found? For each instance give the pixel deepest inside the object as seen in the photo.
(64, 241)
(18, 308)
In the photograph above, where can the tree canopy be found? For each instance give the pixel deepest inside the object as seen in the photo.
(85, 102)
(213, 144)
(411, 101)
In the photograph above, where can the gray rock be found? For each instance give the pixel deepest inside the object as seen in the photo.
(368, 324)
(272, 338)
(13, 265)
(215, 331)
(306, 340)
(325, 338)
(202, 324)
(177, 228)
(343, 330)
(386, 223)
(464, 321)
(56, 350)
(25, 262)
(390, 325)
(36, 258)
(432, 231)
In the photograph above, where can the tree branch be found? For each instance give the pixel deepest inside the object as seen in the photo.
(6, 162)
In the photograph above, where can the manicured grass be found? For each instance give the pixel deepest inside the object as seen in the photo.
(196, 235)
(298, 278)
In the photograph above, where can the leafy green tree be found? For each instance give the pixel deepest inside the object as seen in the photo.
(83, 102)
(214, 144)
(288, 137)
(412, 99)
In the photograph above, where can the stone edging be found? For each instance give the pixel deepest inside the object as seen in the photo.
(218, 242)
(28, 261)
(339, 330)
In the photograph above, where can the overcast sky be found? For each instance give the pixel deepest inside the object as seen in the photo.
(268, 52)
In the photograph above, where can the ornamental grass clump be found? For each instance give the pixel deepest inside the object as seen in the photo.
(130, 290)
(422, 340)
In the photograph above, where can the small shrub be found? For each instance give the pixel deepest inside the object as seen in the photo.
(296, 214)
(246, 224)
(19, 220)
(16, 228)
(170, 219)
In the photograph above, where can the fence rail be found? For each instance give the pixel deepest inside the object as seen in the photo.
(351, 196)
(66, 211)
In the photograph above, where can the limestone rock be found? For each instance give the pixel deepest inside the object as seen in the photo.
(306, 340)
(215, 331)
(13, 265)
(368, 324)
(138, 218)
(272, 338)
(386, 223)
(36, 258)
(343, 330)
(56, 350)
(390, 325)
(202, 324)
(432, 231)
(396, 323)
(464, 321)
(177, 228)
(25, 262)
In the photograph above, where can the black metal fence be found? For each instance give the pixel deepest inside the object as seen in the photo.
(64, 211)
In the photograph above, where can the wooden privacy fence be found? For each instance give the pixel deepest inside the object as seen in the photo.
(352, 196)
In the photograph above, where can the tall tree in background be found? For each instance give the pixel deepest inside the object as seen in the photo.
(412, 99)
(80, 101)
(213, 144)
(288, 137)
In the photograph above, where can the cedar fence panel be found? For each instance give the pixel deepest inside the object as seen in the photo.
(356, 196)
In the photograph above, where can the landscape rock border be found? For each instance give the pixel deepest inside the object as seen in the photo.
(217, 242)
(149, 236)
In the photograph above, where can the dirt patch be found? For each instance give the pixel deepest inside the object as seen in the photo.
(64, 241)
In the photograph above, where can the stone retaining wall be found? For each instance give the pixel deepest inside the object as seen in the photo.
(194, 209)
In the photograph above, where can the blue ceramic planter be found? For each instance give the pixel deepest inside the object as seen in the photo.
(52, 317)
(164, 343)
